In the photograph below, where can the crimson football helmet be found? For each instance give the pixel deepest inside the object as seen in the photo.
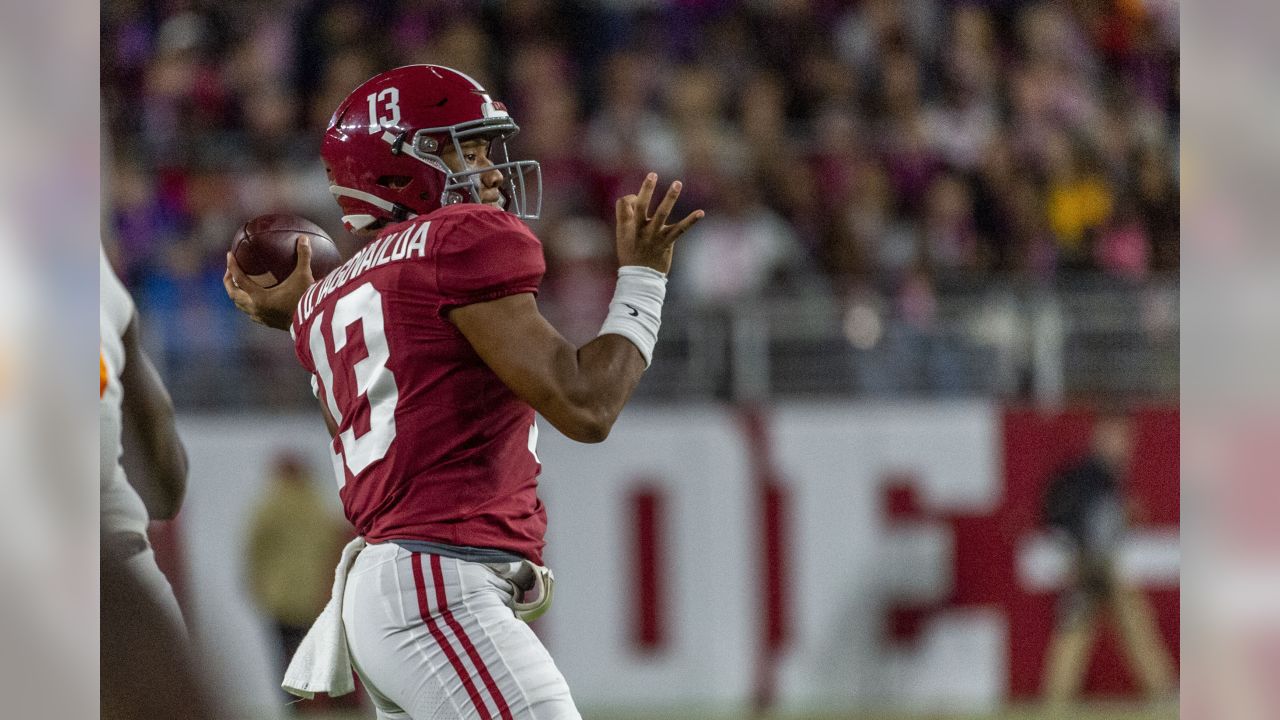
(382, 148)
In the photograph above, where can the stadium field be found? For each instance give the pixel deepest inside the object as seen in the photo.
(1095, 712)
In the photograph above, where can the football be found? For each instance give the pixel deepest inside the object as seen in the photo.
(266, 248)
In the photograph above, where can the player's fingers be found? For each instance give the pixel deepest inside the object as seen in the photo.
(645, 196)
(238, 297)
(620, 210)
(667, 205)
(627, 214)
(238, 278)
(303, 267)
(236, 294)
(671, 232)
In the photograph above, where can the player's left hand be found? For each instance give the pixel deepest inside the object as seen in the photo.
(271, 306)
(644, 239)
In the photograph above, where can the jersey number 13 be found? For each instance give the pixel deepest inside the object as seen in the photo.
(374, 381)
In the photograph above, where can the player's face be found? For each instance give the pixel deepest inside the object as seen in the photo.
(475, 155)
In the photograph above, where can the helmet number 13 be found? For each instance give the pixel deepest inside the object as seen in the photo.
(374, 382)
(387, 101)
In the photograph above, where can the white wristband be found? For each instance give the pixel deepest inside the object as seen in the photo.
(635, 312)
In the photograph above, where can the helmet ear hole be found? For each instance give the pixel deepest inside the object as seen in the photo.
(394, 182)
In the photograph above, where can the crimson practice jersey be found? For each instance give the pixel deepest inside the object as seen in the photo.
(431, 445)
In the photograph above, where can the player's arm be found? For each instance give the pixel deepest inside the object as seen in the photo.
(578, 390)
(148, 410)
(582, 390)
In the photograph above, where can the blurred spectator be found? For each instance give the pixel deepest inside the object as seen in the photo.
(345, 70)
(877, 245)
(961, 126)
(970, 58)
(1158, 206)
(293, 546)
(581, 269)
(1123, 248)
(1080, 201)
(922, 357)
(949, 242)
(627, 133)
(1087, 505)
(740, 251)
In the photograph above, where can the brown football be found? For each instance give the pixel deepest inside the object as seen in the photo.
(266, 248)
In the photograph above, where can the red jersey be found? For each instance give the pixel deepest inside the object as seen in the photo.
(431, 445)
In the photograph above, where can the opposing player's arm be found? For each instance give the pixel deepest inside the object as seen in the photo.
(578, 390)
(148, 411)
(582, 390)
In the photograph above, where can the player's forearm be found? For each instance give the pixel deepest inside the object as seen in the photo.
(149, 410)
(580, 391)
(610, 368)
(592, 385)
(164, 455)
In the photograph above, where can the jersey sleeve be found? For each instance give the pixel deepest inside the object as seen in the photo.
(302, 349)
(485, 254)
(116, 306)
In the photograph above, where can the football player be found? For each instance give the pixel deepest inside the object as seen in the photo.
(130, 391)
(430, 358)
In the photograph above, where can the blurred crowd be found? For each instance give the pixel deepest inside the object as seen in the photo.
(881, 147)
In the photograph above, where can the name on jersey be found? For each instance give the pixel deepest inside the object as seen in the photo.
(406, 244)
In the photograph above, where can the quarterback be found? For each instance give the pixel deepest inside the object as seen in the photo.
(430, 358)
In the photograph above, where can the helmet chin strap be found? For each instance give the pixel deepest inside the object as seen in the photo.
(359, 222)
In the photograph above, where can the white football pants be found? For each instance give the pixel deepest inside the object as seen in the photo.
(433, 638)
(156, 584)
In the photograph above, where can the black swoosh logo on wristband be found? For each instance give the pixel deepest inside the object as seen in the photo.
(634, 312)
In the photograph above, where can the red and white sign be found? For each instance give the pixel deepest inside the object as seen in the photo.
(818, 555)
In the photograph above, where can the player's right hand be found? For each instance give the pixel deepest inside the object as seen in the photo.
(271, 306)
(645, 239)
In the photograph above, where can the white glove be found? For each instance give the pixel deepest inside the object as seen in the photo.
(533, 586)
(532, 602)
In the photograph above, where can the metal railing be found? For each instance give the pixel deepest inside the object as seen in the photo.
(1087, 339)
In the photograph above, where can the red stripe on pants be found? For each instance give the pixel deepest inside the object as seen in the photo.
(470, 649)
(439, 635)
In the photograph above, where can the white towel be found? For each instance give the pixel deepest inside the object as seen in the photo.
(321, 664)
